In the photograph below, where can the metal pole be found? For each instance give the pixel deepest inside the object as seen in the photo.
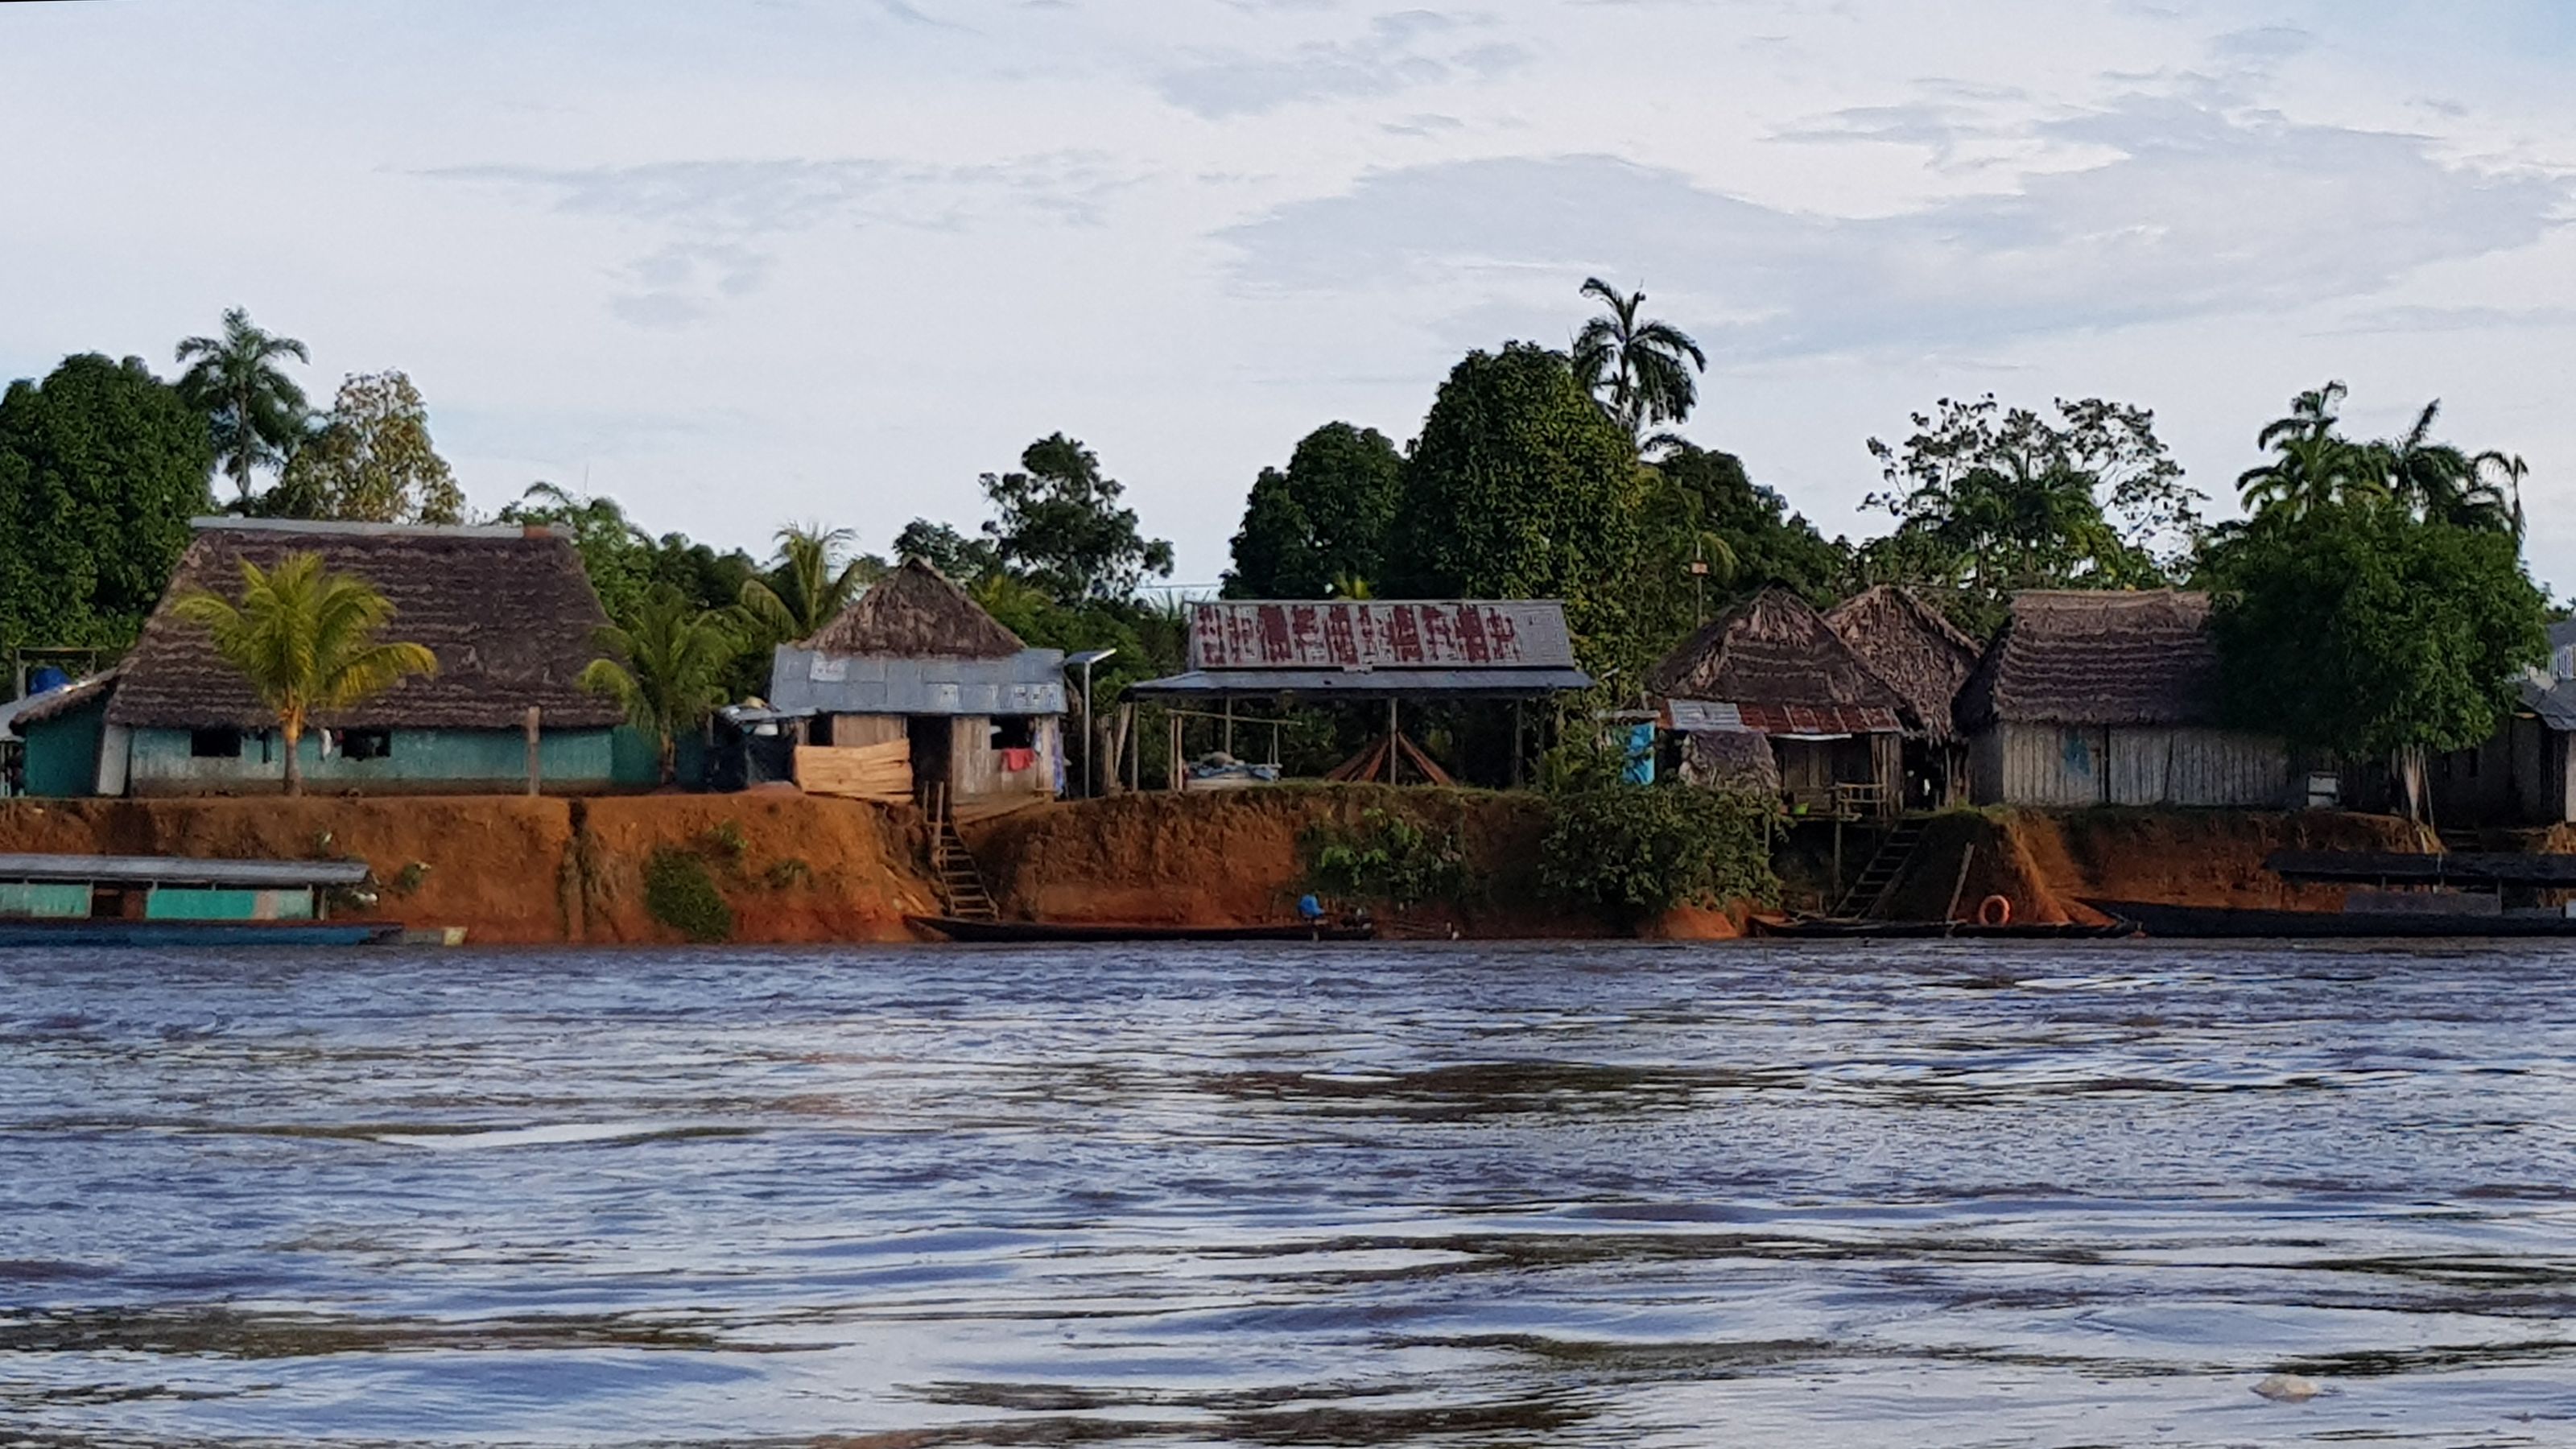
(1090, 736)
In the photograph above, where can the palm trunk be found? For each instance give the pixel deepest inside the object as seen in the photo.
(292, 727)
(670, 759)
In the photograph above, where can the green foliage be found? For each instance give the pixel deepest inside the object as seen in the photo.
(1058, 525)
(1642, 849)
(254, 412)
(408, 880)
(679, 893)
(667, 668)
(2355, 626)
(808, 584)
(1386, 858)
(1767, 543)
(960, 559)
(1320, 527)
(101, 467)
(724, 841)
(2314, 466)
(304, 639)
(788, 873)
(1639, 370)
(1520, 488)
(370, 461)
(1990, 501)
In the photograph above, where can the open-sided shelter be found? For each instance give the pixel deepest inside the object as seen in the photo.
(1371, 650)
(1924, 657)
(508, 611)
(914, 691)
(2102, 697)
(1772, 666)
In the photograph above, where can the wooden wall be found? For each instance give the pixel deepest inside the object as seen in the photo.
(2075, 766)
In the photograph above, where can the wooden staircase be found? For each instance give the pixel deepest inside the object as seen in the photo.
(961, 885)
(1886, 867)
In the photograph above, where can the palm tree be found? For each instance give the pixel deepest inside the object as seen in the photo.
(1643, 367)
(256, 411)
(2313, 464)
(2438, 480)
(305, 639)
(809, 584)
(2509, 492)
(666, 669)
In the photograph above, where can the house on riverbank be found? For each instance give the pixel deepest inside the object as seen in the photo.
(2524, 775)
(508, 611)
(1772, 666)
(1924, 657)
(2105, 697)
(915, 691)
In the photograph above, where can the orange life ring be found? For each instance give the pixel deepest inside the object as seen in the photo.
(1994, 911)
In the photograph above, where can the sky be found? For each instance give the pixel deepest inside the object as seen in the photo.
(740, 263)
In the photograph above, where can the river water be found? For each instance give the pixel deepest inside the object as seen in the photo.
(1466, 1195)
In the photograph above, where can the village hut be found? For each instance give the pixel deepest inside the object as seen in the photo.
(1772, 666)
(1924, 657)
(2098, 697)
(915, 692)
(508, 612)
(2524, 774)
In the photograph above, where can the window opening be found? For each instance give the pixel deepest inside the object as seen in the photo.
(214, 744)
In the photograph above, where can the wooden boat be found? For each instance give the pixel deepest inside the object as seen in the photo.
(958, 929)
(1827, 928)
(2230, 923)
(109, 932)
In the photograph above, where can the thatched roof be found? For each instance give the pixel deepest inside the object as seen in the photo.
(1908, 643)
(508, 612)
(914, 613)
(2098, 657)
(1772, 649)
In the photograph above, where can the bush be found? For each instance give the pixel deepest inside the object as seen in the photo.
(790, 872)
(680, 894)
(1386, 858)
(1642, 849)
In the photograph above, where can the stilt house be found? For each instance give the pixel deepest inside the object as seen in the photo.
(2098, 697)
(916, 692)
(1772, 666)
(508, 612)
(1925, 657)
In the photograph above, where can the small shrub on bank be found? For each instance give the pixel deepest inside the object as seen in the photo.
(680, 894)
(1642, 849)
(1386, 858)
(788, 873)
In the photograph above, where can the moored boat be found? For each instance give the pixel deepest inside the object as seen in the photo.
(123, 900)
(2232, 923)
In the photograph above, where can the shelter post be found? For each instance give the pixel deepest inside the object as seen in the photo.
(1391, 738)
(535, 729)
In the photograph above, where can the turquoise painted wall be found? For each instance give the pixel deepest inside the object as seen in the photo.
(494, 760)
(638, 760)
(201, 903)
(43, 898)
(62, 754)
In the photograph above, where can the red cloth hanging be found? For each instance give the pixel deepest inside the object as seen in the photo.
(1018, 760)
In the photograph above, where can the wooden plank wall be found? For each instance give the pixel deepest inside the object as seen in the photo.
(864, 772)
(2071, 767)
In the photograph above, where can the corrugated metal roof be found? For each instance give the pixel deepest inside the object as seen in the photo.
(1345, 634)
(175, 870)
(2554, 703)
(1696, 716)
(1820, 719)
(1367, 684)
(805, 681)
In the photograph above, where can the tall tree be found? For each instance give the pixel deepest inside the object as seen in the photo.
(809, 583)
(1769, 544)
(1990, 500)
(2312, 463)
(371, 461)
(101, 467)
(305, 639)
(1639, 369)
(1057, 524)
(960, 559)
(2356, 627)
(667, 667)
(1520, 488)
(1325, 518)
(255, 413)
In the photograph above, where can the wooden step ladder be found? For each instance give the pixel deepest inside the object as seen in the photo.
(952, 865)
(1886, 867)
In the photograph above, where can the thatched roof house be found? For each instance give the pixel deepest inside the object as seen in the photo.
(1784, 668)
(2098, 657)
(2096, 697)
(1910, 645)
(508, 612)
(915, 613)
